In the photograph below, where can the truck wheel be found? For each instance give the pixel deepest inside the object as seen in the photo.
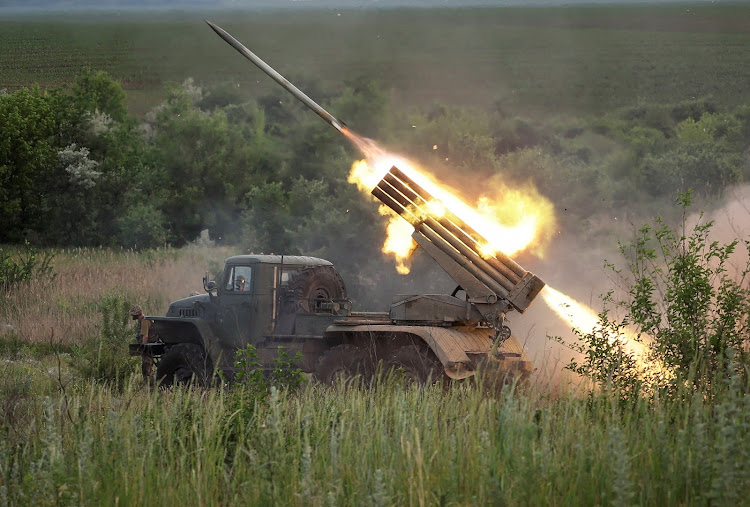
(414, 364)
(344, 362)
(319, 282)
(183, 364)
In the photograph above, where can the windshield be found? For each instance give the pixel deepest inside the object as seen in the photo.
(239, 279)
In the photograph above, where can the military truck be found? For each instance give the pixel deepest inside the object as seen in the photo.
(299, 304)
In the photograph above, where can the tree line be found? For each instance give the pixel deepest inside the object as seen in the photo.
(76, 169)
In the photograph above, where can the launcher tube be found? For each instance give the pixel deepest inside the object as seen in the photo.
(443, 245)
(400, 203)
(470, 254)
(494, 263)
(388, 199)
(500, 258)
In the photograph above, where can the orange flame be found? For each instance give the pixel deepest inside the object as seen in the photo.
(586, 321)
(512, 220)
(398, 240)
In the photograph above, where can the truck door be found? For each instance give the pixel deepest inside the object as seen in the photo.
(238, 305)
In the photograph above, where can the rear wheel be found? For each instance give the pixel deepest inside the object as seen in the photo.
(414, 364)
(344, 363)
(184, 364)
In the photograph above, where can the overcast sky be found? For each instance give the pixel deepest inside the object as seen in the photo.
(187, 4)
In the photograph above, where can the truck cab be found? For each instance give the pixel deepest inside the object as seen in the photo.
(268, 301)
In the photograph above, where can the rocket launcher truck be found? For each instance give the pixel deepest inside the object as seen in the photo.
(299, 304)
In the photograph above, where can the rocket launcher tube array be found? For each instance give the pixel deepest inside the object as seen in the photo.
(501, 274)
(448, 244)
(435, 232)
(463, 238)
(501, 262)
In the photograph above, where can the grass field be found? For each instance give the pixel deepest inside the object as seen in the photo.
(575, 60)
(98, 444)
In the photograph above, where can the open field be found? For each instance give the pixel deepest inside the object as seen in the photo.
(546, 60)
(70, 439)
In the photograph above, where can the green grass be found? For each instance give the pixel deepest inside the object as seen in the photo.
(534, 60)
(385, 446)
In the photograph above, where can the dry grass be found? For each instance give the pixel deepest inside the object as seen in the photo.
(65, 308)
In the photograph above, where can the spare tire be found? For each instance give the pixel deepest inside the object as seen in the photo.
(319, 282)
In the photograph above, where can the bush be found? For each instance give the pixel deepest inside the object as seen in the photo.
(31, 264)
(250, 372)
(104, 357)
(681, 295)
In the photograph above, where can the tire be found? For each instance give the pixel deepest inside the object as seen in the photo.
(345, 363)
(320, 282)
(414, 364)
(184, 364)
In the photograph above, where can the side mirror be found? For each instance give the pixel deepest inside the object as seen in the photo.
(209, 285)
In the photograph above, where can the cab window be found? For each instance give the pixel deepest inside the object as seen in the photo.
(240, 279)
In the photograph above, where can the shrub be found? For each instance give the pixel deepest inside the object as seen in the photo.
(104, 357)
(682, 296)
(29, 265)
(284, 373)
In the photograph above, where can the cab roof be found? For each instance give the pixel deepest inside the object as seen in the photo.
(294, 260)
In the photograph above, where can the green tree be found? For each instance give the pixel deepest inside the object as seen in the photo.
(97, 91)
(27, 156)
(206, 164)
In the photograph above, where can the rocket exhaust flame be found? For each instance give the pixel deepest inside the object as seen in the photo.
(586, 321)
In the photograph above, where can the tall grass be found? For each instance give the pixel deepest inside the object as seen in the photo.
(65, 310)
(385, 446)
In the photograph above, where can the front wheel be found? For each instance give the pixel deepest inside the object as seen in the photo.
(184, 364)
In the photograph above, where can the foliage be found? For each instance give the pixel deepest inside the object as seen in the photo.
(142, 225)
(284, 374)
(607, 359)
(23, 267)
(688, 306)
(27, 122)
(97, 91)
(103, 356)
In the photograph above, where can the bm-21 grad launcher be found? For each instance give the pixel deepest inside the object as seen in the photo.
(299, 303)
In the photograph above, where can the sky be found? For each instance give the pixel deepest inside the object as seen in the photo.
(264, 4)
